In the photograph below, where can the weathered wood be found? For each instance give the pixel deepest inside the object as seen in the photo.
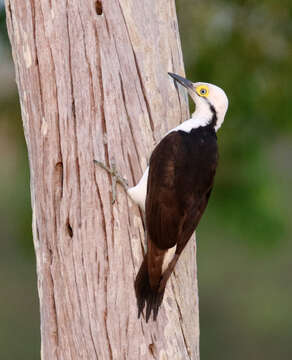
(93, 84)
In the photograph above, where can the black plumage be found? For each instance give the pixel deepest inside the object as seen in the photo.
(181, 175)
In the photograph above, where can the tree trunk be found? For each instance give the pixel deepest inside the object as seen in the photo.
(93, 84)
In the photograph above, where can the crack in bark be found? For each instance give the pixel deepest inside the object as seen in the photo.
(79, 299)
(92, 340)
(69, 228)
(131, 252)
(103, 118)
(102, 212)
(180, 323)
(129, 122)
(54, 313)
(58, 181)
(106, 301)
(121, 142)
(57, 117)
(151, 348)
(92, 98)
(107, 26)
(107, 335)
(105, 270)
(144, 93)
(180, 105)
(131, 168)
(32, 6)
(98, 7)
(139, 73)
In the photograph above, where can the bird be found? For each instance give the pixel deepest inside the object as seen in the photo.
(175, 188)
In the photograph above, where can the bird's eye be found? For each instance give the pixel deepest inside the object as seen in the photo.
(202, 90)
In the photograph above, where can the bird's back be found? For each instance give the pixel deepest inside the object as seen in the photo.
(181, 175)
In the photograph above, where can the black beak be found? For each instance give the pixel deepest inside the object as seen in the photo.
(184, 82)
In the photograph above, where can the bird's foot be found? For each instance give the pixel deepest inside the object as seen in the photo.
(116, 177)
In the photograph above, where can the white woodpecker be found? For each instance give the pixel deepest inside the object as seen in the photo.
(175, 188)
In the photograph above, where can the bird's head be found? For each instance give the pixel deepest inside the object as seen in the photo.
(210, 100)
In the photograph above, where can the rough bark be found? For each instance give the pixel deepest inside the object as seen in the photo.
(93, 84)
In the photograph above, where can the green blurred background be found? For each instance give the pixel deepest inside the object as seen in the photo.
(245, 237)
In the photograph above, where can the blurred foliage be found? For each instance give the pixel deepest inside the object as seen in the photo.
(3, 29)
(245, 47)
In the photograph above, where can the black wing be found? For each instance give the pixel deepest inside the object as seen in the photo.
(180, 180)
(181, 175)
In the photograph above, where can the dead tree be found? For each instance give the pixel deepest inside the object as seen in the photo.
(93, 84)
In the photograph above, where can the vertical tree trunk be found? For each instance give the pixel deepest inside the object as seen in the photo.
(93, 84)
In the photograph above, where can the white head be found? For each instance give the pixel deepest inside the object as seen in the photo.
(211, 101)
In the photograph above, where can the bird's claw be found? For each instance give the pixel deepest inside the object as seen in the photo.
(116, 177)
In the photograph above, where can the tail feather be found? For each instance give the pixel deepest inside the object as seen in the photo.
(145, 294)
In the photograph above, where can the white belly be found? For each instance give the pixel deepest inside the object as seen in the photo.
(138, 193)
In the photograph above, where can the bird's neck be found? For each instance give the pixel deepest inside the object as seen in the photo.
(207, 116)
(203, 116)
(200, 118)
